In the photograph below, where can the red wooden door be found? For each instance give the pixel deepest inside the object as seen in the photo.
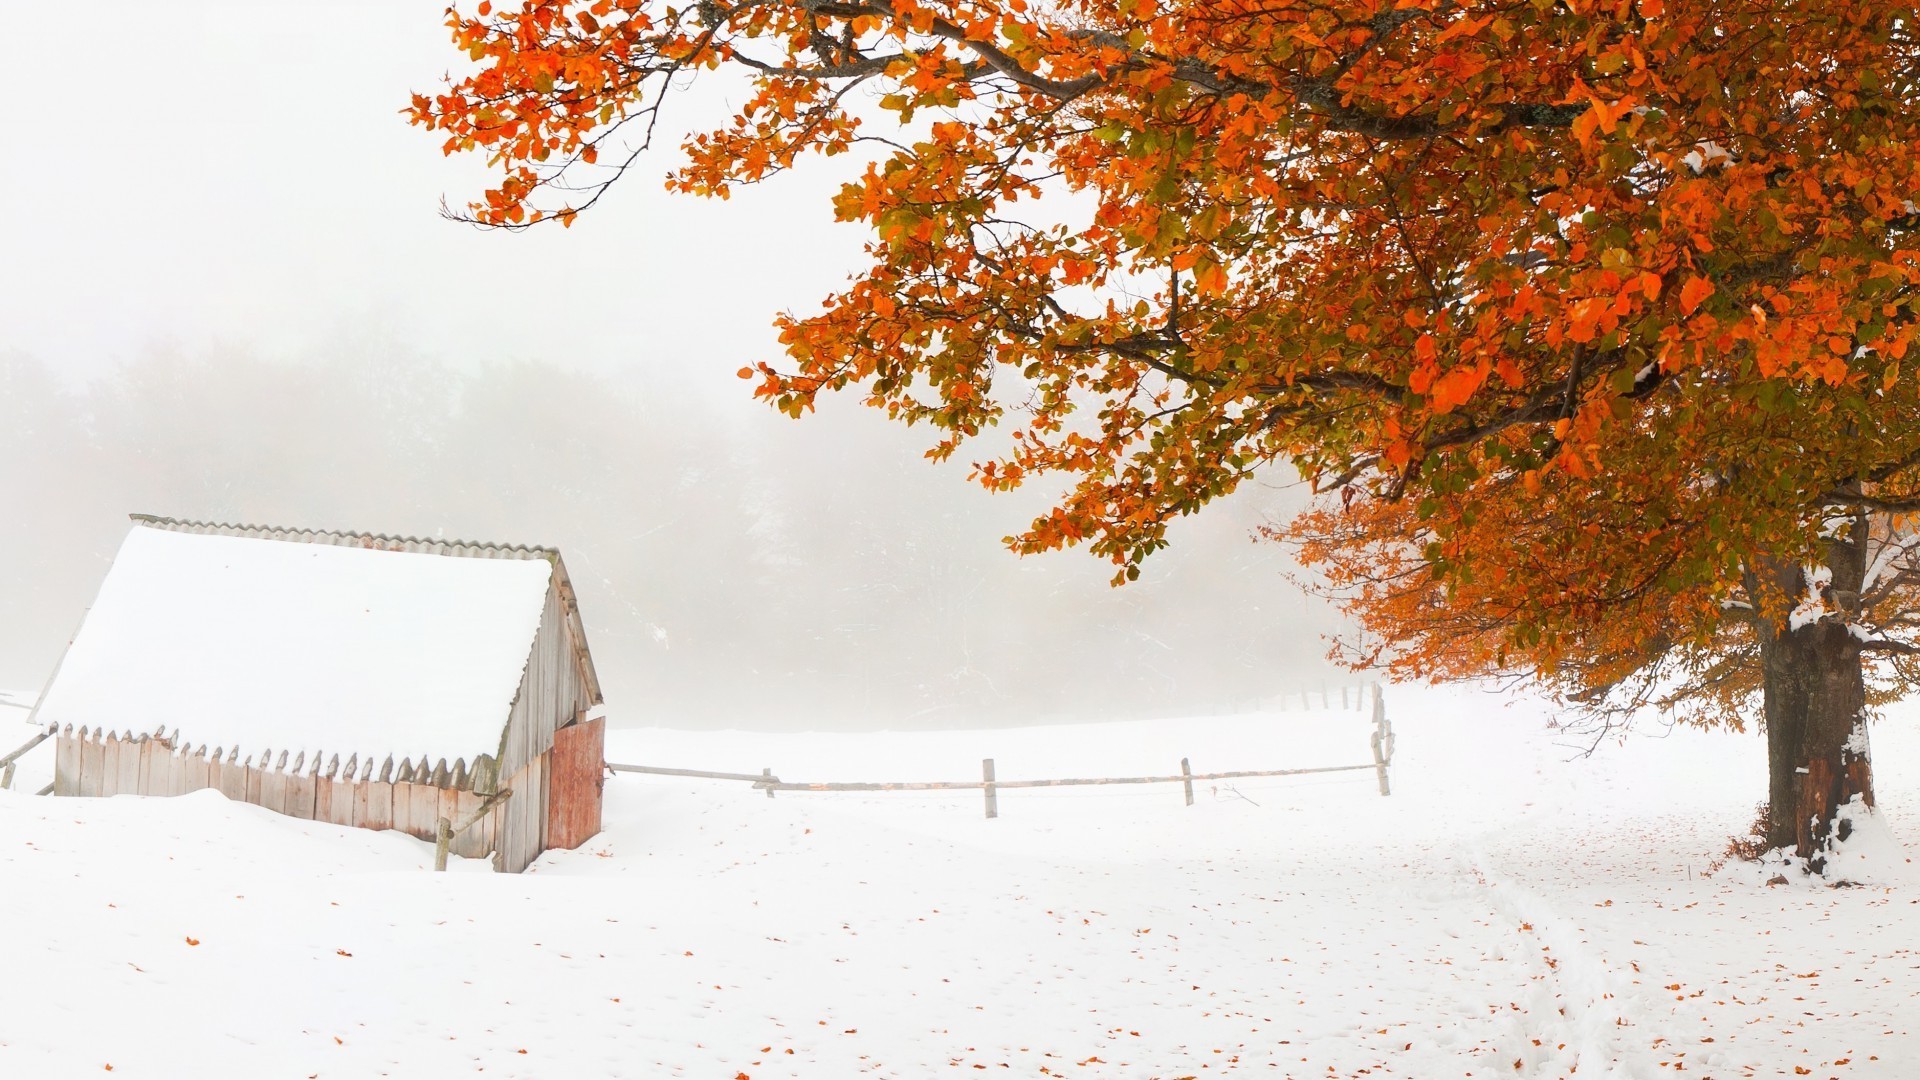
(575, 771)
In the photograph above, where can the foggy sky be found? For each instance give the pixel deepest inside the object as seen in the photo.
(225, 293)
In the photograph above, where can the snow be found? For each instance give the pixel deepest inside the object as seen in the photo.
(1856, 743)
(19, 700)
(1512, 910)
(1885, 554)
(287, 646)
(1812, 606)
(1704, 154)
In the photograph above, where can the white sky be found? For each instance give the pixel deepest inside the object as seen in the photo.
(197, 166)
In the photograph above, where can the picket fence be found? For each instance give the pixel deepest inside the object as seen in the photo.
(413, 797)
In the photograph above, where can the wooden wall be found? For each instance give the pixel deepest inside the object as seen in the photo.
(521, 828)
(410, 797)
(554, 692)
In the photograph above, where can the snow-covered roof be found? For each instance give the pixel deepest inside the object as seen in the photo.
(270, 644)
(16, 700)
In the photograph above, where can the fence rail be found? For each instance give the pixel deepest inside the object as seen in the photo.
(699, 774)
(1380, 742)
(7, 763)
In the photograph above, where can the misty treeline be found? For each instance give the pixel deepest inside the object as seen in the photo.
(734, 568)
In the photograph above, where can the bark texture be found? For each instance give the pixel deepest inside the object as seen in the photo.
(1815, 705)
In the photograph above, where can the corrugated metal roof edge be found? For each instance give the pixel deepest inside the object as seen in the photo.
(309, 536)
(453, 548)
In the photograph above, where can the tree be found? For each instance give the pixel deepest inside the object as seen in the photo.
(1586, 316)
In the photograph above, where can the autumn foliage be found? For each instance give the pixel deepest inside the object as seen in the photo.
(1580, 313)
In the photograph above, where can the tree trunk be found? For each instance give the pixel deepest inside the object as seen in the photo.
(1815, 711)
(1816, 738)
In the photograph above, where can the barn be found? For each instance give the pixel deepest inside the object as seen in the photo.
(377, 681)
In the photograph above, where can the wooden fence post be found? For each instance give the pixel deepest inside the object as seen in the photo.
(1186, 773)
(768, 773)
(1382, 741)
(993, 793)
(443, 838)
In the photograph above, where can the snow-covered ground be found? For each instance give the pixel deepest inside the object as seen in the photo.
(1506, 912)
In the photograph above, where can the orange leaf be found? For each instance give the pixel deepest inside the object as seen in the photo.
(1693, 292)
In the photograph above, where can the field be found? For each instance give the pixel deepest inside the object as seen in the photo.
(1512, 910)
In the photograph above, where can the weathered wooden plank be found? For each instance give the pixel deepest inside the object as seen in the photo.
(153, 779)
(273, 786)
(110, 773)
(234, 778)
(541, 779)
(457, 806)
(323, 799)
(133, 765)
(179, 771)
(425, 810)
(109, 765)
(117, 748)
(577, 771)
(400, 817)
(373, 805)
(347, 802)
(93, 763)
(195, 771)
(526, 825)
(300, 787)
(66, 763)
(517, 826)
(257, 769)
(486, 775)
(156, 768)
(168, 771)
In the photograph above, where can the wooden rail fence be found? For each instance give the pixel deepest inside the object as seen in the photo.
(7, 763)
(1380, 740)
